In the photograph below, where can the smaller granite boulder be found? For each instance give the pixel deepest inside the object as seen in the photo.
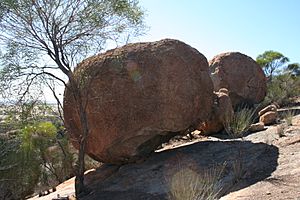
(269, 117)
(222, 110)
(257, 127)
(267, 109)
(241, 75)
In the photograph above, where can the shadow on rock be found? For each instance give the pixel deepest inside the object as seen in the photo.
(239, 160)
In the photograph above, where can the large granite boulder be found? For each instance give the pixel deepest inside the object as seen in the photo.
(241, 75)
(137, 97)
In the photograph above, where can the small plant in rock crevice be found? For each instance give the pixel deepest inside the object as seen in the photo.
(237, 125)
(288, 117)
(188, 184)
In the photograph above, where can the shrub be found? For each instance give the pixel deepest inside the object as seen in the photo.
(33, 155)
(19, 173)
(40, 140)
(282, 88)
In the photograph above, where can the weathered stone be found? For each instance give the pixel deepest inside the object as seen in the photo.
(267, 109)
(252, 166)
(222, 111)
(259, 126)
(241, 75)
(156, 178)
(269, 117)
(286, 175)
(138, 96)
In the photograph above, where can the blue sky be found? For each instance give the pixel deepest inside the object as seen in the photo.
(215, 26)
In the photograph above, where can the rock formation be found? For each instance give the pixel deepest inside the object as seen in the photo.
(259, 126)
(241, 75)
(137, 97)
(262, 166)
(267, 109)
(268, 118)
(268, 115)
(222, 111)
(158, 177)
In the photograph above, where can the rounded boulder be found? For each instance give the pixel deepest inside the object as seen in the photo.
(137, 97)
(241, 75)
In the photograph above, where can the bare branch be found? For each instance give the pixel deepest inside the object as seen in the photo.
(57, 78)
(58, 103)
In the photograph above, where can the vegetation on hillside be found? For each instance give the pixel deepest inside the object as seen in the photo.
(33, 154)
(43, 41)
(283, 78)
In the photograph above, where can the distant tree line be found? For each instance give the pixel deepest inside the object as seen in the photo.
(283, 77)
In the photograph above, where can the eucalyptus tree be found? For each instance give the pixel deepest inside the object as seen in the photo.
(271, 61)
(43, 40)
(294, 68)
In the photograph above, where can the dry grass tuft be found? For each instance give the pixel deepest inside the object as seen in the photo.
(237, 125)
(188, 184)
(288, 117)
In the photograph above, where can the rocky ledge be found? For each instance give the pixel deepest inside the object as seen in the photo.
(262, 165)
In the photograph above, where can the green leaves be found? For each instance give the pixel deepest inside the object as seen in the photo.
(271, 61)
(129, 9)
(294, 68)
(31, 154)
(19, 173)
(283, 78)
(269, 57)
(282, 88)
(38, 136)
(68, 29)
(43, 40)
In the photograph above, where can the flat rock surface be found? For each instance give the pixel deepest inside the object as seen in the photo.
(264, 165)
(284, 182)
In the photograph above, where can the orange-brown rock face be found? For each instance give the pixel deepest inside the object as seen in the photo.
(137, 96)
(222, 111)
(241, 75)
(269, 117)
(268, 108)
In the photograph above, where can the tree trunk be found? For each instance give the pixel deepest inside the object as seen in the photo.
(80, 188)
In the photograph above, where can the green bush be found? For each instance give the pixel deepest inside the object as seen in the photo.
(19, 172)
(32, 156)
(282, 88)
